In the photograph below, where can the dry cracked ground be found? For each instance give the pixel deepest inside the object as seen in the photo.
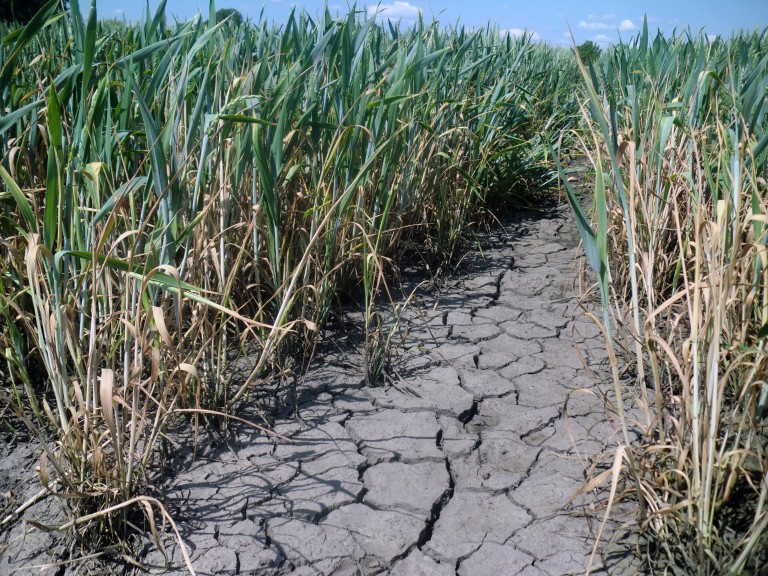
(467, 466)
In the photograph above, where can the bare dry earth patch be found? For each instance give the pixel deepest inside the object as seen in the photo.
(467, 466)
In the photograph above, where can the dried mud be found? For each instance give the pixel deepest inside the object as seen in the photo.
(467, 466)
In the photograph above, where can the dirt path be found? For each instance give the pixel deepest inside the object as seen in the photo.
(467, 467)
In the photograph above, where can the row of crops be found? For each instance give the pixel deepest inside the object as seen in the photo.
(174, 192)
(678, 138)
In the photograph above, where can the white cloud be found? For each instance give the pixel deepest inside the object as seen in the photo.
(517, 32)
(712, 37)
(396, 11)
(627, 25)
(594, 25)
(601, 17)
(601, 40)
(119, 12)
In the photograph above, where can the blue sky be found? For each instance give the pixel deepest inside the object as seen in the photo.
(598, 20)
